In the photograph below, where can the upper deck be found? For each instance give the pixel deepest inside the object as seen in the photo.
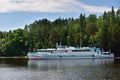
(70, 49)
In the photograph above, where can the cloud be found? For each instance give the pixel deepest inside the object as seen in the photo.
(50, 6)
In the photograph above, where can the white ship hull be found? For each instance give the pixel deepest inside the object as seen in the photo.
(42, 56)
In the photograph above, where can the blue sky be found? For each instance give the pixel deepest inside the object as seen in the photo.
(17, 13)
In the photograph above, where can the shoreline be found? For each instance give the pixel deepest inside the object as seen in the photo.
(117, 57)
(26, 57)
(15, 57)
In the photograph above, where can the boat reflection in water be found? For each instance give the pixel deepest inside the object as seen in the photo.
(65, 64)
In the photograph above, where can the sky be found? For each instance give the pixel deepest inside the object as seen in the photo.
(16, 14)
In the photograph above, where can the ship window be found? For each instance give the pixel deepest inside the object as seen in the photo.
(45, 51)
(79, 50)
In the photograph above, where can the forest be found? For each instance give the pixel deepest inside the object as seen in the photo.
(100, 31)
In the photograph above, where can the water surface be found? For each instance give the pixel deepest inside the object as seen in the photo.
(72, 69)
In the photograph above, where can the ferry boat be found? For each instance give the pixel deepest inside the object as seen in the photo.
(69, 53)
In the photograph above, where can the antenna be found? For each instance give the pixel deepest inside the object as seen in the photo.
(60, 41)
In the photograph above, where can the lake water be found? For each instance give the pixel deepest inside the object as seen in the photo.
(72, 69)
